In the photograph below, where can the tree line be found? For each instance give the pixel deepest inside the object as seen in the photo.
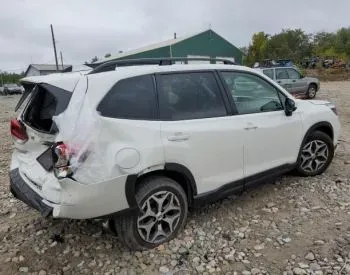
(297, 45)
(8, 78)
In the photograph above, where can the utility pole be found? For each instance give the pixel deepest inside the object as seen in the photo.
(61, 59)
(54, 47)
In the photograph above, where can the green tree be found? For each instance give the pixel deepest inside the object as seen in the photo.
(256, 50)
(342, 43)
(291, 44)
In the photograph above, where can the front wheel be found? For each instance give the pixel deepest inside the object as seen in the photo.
(316, 154)
(164, 207)
(311, 92)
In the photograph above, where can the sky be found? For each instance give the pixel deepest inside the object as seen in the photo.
(87, 28)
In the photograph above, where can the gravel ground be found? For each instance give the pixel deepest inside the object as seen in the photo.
(291, 226)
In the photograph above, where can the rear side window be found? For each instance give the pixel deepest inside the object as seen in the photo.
(190, 96)
(131, 98)
(269, 73)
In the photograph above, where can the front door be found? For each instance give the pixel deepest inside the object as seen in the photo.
(271, 139)
(299, 84)
(197, 130)
(282, 78)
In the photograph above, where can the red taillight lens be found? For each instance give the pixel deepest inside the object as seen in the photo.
(61, 156)
(18, 131)
(65, 158)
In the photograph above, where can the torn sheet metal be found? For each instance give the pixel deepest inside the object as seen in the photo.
(78, 128)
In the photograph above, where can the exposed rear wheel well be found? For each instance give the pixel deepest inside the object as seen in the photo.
(180, 178)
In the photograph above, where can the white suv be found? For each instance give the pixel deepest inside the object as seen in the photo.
(140, 144)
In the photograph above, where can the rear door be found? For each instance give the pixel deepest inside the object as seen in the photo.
(197, 130)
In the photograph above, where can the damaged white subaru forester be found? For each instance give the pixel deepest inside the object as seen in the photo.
(139, 142)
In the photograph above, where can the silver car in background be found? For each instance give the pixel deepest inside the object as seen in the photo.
(293, 81)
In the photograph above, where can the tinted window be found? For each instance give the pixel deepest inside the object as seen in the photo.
(190, 96)
(282, 74)
(293, 74)
(252, 94)
(269, 73)
(131, 98)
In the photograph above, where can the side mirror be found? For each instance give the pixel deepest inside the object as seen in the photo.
(302, 76)
(289, 106)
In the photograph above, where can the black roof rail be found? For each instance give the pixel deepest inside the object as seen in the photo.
(111, 65)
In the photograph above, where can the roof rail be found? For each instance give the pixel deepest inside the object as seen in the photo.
(111, 65)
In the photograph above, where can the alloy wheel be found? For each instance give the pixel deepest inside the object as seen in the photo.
(159, 218)
(314, 156)
(312, 92)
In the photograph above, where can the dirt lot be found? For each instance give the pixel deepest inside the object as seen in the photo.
(292, 226)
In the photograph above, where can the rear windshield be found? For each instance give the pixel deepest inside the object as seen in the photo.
(45, 102)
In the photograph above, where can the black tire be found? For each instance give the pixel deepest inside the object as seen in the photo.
(311, 91)
(127, 226)
(322, 138)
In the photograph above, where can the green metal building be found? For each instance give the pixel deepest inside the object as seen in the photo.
(206, 44)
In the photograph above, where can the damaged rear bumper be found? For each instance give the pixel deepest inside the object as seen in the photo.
(79, 201)
(23, 192)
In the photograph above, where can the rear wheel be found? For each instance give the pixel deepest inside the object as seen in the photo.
(311, 92)
(316, 154)
(164, 207)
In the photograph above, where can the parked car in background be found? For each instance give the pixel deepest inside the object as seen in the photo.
(293, 81)
(135, 143)
(12, 89)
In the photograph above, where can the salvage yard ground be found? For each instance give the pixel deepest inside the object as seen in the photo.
(291, 226)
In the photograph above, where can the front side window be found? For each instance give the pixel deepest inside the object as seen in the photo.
(252, 94)
(131, 98)
(282, 74)
(190, 96)
(293, 74)
(269, 73)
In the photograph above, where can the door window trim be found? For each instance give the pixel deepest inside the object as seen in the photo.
(228, 92)
(224, 96)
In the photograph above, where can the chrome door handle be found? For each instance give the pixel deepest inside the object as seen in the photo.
(250, 128)
(179, 137)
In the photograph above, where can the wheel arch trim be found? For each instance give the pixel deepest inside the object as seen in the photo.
(312, 129)
(179, 168)
(131, 182)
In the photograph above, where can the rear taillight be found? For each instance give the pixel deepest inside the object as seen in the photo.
(18, 131)
(61, 160)
(66, 159)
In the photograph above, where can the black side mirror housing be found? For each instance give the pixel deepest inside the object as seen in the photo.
(289, 106)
